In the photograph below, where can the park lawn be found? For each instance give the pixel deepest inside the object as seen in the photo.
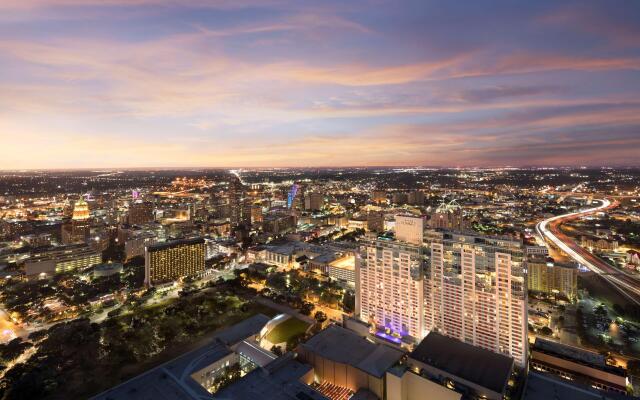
(287, 330)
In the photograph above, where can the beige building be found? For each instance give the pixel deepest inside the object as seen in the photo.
(475, 292)
(389, 286)
(549, 277)
(410, 229)
(169, 261)
(342, 358)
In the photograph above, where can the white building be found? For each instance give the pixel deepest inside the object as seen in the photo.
(409, 228)
(389, 286)
(471, 288)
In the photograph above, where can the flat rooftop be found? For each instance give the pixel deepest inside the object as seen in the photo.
(474, 364)
(172, 380)
(575, 354)
(344, 346)
(546, 387)
(280, 380)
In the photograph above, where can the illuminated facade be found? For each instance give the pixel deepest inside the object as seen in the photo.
(389, 286)
(548, 277)
(169, 261)
(471, 288)
(475, 292)
(78, 230)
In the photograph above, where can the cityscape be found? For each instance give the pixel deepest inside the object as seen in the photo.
(282, 200)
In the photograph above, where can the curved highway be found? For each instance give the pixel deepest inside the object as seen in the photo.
(549, 230)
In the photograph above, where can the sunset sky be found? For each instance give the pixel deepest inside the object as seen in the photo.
(243, 83)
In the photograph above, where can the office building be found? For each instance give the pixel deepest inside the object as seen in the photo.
(379, 196)
(313, 201)
(375, 221)
(169, 261)
(136, 243)
(235, 196)
(415, 197)
(78, 229)
(448, 216)
(140, 213)
(410, 229)
(547, 276)
(75, 257)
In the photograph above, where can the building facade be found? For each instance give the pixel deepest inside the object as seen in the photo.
(549, 277)
(475, 291)
(389, 286)
(169, 261)
(471, 288)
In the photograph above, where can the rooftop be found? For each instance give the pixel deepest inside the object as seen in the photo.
(172, 380)
(167, 245)
(575, 354)
(474, 364)
(346, 347)
(546, 387)
(280, 380)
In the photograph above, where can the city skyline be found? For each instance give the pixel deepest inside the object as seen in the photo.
(196, 84)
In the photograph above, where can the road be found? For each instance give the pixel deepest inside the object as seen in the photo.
(549, 229)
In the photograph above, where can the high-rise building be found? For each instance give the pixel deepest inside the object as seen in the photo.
(375, 221)
(468, 287)
(78, 229)
(140, 213)
(235, 194)
(169, 261)
(399, 198)
(415, 197)
(409, 228)
(313, 201)
(546, 276)
(475, 291)
(389, 287)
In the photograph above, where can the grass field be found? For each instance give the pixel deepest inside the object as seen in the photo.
(287, 330)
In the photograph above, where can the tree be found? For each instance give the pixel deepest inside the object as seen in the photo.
(277, 350)
(545, 330)
(320, 316)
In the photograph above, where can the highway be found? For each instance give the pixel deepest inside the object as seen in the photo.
(549, 230)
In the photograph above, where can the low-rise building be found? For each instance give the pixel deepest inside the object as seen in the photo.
(465, 368)
(346, 360)
(577, 365)
(61, 259)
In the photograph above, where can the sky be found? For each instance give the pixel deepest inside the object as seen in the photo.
(248, 83)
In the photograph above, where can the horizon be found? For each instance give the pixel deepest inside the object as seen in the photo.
(91, 84)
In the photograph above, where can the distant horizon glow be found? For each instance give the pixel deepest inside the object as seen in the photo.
(165, 84)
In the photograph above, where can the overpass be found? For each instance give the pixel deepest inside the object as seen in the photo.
(549, 229)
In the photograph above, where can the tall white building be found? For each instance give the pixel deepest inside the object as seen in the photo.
(468, 287)
(410, 229)
(389, 286)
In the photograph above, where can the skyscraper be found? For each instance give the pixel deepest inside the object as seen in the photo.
(389, 287)
(235, 195)
(475, 291)
(78, 229)
(468, 287)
